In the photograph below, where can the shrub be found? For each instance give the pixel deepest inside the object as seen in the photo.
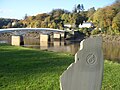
(95, 31)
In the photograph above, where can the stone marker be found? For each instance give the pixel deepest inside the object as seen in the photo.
(87, 71)
(17, 40)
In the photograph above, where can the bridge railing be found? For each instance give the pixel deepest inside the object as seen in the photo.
(31, 29)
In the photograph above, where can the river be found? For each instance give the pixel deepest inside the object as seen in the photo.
(111, 51)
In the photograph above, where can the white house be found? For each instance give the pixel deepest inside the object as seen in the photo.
(86, 25)
(68, 25)
(14, 23)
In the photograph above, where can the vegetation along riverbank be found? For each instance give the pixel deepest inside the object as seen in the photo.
(31, 69)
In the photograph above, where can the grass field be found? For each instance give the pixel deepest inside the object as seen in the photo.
(30, 69)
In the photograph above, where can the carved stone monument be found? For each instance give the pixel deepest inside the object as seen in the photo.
(87, 71)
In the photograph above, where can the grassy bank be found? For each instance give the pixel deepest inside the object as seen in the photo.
(29, 69)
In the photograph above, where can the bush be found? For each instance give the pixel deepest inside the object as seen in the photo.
(95, 31)
(86, 31)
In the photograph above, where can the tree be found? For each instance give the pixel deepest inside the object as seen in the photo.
(77, 19)
(90, 12)
(41, 16)
(57, 12)
(82, 7)
(78, 7)
(25, 17)
(53, 25)
(37, 24)
(65, 17)
(116, 23)
(32, 24)
(9, 25)
(103, 17)
(84, 16)
(74, 9)
(47, 19)
(44, 24)
(117, 1)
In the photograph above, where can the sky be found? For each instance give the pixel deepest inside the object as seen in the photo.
(18, 8)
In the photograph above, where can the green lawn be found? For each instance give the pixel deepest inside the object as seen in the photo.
(30, 69)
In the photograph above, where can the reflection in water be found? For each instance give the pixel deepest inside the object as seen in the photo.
(71, 48)
(31, 41)
(56, 46)
(111, 50)
(44, 45)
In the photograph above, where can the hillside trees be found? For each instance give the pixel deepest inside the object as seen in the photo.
(107, 19)
(90, 13)
(116, 23)
(74, 9)
(80, 8)
(4, 22)
(55, 19)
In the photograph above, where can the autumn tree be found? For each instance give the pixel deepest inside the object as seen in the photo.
(65, 17)
(57, 12)
(37, 24)
(116, 24)
(9, 25)
(103, 18)
(90, 13)
(25, 17)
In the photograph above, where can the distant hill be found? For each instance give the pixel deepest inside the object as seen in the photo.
(7, 23)
(106, 20)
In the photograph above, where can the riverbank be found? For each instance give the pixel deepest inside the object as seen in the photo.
(110, 38)
(23, 68)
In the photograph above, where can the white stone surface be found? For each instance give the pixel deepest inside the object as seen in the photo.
(87, 71)
(57, 36)
(56, 43)
(62, 35)
(15, 40)
(43, 38)
(43, 45)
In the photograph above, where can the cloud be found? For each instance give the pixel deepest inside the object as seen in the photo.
(1, 11)
(6, 10)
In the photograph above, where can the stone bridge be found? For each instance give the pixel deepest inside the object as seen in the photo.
(25, 30)
(46, 34)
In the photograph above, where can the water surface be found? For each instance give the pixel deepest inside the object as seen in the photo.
(111, 51)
